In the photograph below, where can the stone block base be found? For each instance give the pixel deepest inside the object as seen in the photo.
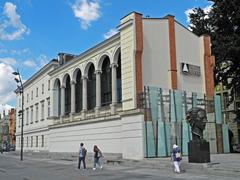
(199, 152)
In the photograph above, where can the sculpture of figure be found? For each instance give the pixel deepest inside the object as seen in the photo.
(197, 118)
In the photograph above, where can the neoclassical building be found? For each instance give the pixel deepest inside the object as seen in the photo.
(94, 97)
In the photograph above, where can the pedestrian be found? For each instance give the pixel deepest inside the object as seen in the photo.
(97, 154)
(176, 158)
(82, 156)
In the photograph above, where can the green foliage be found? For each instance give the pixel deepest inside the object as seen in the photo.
(222, 23)
(199, 22)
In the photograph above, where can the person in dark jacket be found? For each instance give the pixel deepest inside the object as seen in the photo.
(176, 157)
(97, 154)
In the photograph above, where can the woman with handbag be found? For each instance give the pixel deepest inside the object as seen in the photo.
(97, 154)
(176, 157)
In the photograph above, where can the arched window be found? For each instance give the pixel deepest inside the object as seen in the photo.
(57, 98)
(106, 83)
(68, 96)
(78, 92)
(91, 88)
(119, 80)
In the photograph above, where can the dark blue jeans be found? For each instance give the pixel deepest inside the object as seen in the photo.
(96, 161)
(81, 159)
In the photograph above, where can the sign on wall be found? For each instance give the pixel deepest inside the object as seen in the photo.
(190, 69)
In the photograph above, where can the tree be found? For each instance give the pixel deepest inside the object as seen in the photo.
(199, 22)
(222, 23)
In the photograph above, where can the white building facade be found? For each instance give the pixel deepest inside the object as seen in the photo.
(93, 97)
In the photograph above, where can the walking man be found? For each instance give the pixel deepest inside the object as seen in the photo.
(82, 156)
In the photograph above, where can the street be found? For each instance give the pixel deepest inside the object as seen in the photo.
(11, 168)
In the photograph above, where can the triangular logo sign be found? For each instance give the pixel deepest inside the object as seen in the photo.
(185, 68)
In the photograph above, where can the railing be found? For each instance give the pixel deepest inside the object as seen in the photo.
(104, 111)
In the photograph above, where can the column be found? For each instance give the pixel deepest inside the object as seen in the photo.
(98, 91)
(53, 103)
(84, 96)
(63, 100)
(73, 99)
(114, 88)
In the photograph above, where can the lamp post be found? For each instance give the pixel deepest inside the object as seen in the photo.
(20, 113)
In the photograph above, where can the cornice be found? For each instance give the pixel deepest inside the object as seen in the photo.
(39, 73)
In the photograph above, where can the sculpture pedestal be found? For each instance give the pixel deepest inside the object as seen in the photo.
(198, 152)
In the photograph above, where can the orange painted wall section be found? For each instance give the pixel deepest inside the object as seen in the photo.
(172, 48)
(138, 54)
(209, 62)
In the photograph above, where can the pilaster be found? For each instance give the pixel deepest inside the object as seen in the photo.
(84, 97)
(114, 88)
(98, 92)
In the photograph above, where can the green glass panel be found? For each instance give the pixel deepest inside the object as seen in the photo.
(218, 109)
(162, 150)
(226, 148)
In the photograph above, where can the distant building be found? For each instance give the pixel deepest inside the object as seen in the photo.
(94, 97)
(4, 129)
(12, 126)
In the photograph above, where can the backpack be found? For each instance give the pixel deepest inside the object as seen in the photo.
(84, 152)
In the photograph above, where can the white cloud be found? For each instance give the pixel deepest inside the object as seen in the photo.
(7, 84)
(3, 51)
(30, 64)
(110, 33)
(43, 60)
(26, 50)
(207, 9)
(5, 107)
(20, 51)
(39, 62)
(86, 11)
(11, 21)
(8, 60)
(187, 12)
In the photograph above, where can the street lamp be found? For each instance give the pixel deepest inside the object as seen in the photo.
(20, 113)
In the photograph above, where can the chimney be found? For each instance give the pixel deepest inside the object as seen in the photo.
(60, 58)
(64, 58)
(68, 57)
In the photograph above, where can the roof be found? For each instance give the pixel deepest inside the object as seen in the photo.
(53, 62)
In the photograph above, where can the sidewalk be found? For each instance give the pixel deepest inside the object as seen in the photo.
(225, 164)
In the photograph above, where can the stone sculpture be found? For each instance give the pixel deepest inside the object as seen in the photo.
(197, 118)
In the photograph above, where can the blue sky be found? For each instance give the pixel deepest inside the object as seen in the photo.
(32, 32)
